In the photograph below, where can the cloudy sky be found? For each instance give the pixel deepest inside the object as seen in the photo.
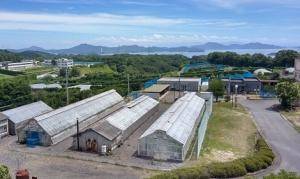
(65, 23)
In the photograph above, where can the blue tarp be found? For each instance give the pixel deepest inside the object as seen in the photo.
(149, 83)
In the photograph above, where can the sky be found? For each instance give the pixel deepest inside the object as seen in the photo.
(54, 24)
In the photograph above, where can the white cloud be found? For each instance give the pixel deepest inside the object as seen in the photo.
(102, 22)
(230, 4)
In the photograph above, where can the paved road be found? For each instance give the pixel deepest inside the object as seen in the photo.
(282, 137)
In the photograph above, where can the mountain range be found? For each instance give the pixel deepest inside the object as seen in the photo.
(85, 49)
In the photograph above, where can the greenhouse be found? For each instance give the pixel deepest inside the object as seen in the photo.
(170, 136)
(55, 126)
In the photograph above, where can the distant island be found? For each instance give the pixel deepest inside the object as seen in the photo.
(85, 49)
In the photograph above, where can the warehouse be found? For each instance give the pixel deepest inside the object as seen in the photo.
(117, 127)
(156, 91)
(181, 84)
(3, 125)
(170, 136)
(55, 126)
(20, 115)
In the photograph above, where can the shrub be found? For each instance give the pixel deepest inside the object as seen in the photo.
(169, 175)
(283, 175)
(4, 172)
(227, 169)
(192, 173)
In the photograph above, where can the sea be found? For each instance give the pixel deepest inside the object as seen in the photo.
(268, 52)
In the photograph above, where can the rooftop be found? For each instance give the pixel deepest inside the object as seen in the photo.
(133, 111)
(156, 88)
(179, 120)
(3, 116)
(107, 130)
(63, 118)
(28, 111)
(181, 79)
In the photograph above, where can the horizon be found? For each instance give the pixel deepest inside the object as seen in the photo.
(57, 24)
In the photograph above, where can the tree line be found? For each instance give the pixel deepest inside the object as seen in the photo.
(283, 58)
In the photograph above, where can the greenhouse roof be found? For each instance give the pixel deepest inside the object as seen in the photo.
(179, 120)
(63, 118)
(132, 112)
(28, 111)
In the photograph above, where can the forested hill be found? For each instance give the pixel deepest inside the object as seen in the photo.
(6, 55)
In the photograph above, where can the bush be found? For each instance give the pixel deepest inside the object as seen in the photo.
(192, 173)
(227, 169)
(4, 172)
(283, 175)
(168, 175)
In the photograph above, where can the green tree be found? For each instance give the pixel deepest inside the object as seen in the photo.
(283, 175)
(286, 58)
(288, 93)
(216, 86)
(4, 172)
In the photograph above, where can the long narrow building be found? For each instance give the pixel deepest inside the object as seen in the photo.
(19, 116)
(55, 126)
(170, 136)
(117, 127)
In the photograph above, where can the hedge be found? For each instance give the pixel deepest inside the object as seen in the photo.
(4, 172)
(261, 159)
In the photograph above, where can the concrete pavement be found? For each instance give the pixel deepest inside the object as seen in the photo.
(279, 134)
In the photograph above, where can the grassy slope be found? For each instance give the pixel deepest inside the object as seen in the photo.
(230, 134)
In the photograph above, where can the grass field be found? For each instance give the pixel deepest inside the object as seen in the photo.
(96, 69)
(230, 134)
(294, 118)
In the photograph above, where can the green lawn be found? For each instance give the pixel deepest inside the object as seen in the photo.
(96, 69)
(230, 134)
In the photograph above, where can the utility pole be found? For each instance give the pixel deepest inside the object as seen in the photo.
(67, 84)
(77, 124)
(236, 88)
(179, 85)
(128, 85)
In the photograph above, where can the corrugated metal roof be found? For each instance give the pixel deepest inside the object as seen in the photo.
(28, 111)
(107, 130)
(59, 120)
(181, 79)
(156, 88)
(132, 112)
(179, 120)
(3, 116)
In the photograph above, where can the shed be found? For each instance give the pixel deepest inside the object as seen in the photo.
(20, 115)
(170, 136)
(57, 125)
(117, 127)
(156, 91)
(3, 125)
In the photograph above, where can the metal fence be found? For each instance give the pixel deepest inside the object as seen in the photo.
(203, 126)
